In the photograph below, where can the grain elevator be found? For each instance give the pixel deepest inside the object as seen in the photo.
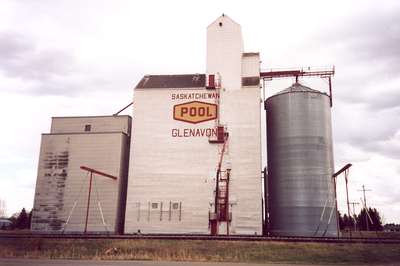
(196, 152)
(191, 161)
(62, 188)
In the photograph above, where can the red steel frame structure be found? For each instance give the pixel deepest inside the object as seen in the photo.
(344, 169)
(92, 171)
(303, 72)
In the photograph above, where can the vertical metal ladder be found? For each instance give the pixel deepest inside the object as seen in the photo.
(223, 214)
(221, 203)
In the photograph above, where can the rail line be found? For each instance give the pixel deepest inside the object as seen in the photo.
(205, 237)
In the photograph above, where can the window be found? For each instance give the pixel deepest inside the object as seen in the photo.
(154, 205)
(88, 128)
(175, 205)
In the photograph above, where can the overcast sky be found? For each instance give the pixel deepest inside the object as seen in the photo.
(65, 58)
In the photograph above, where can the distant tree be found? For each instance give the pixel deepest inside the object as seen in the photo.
(373, 222)
(341, 222)
(361, 222)
(348, 221)
(345, 221)
(392, 227)
(22, 221)
(376, 219)
(30, 219)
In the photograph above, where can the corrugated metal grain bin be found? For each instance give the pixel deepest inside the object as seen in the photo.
(300, 163)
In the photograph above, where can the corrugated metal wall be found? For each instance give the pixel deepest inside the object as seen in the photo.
(300, 163)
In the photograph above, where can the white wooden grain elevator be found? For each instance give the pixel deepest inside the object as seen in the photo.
(195, 160)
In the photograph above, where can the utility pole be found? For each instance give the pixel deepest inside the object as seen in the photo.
(354, 213)
(365, 205)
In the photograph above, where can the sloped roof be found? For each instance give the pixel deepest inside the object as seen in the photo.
(297, 87)
(172, 81)
(250, 54)
(223, 17)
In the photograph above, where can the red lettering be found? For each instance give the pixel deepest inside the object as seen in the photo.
(192, 111)
(184, 110)
(209, 114)
(202, 111)
(194, 132)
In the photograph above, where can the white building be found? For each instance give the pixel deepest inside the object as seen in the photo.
(61, 197)
(176, 146)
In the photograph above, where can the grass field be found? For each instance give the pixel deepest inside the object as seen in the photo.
(371, 234)
(190, 250)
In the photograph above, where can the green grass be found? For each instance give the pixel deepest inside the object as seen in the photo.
(227, 251)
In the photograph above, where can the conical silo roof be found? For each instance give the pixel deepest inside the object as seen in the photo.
(297, 87)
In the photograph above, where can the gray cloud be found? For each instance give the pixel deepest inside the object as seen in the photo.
(386, 100)
(366, 86)
(43, 71)
(13, 46)
(378, 98)
(371, 126)
(367, 37)
(56, 72)
(367, 51)
(385, 148)
(21, 58)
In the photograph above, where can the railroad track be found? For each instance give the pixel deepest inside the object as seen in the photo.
(204, 237)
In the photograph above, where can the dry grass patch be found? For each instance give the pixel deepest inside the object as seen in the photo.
(197, 250)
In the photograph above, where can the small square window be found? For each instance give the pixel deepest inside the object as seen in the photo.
(88, 128)
(175, 205)
(154, 205)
